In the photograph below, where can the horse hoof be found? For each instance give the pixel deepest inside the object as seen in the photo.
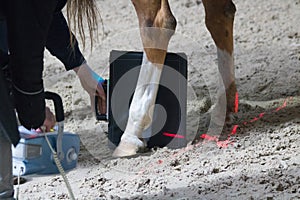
(126, 149)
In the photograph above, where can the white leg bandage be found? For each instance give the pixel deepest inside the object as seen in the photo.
(142, 105)
(226, 67)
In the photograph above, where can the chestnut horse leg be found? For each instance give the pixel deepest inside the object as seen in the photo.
(157, 25)
(219, 17)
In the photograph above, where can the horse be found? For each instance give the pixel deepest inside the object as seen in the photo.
(157, 25)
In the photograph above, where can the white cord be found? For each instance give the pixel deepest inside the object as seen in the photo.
(61, 169)
(18, 186)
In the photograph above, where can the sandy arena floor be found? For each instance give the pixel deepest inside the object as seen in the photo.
(264, 160)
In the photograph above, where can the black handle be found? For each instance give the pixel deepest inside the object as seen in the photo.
(58, 105)
(101, 116)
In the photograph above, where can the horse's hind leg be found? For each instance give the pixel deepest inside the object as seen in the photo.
(219, 17)
(157, 25)
(219, 21)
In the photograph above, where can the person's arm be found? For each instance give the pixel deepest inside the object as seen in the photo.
(92, 83)
(58, 44)
(27, 25)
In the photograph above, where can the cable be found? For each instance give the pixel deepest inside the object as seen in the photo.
(60, 169)
(18, 186)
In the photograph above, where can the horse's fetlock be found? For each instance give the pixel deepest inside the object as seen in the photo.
(230, 10)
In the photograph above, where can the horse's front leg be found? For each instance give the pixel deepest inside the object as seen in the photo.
(157, 25)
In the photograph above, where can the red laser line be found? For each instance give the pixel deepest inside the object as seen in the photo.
(173, 135)
(261, 114)
(283, 105)
(208, 137)
(216, 139)
(236, 103)
(234, 130)
(225, 143)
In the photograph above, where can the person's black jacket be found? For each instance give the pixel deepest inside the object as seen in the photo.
(8, 121)
(29, 31)
(28, 23)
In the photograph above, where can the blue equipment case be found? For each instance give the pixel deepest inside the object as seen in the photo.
(33, 155)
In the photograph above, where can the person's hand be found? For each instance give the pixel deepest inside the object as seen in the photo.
(50, 121)
(91, 82)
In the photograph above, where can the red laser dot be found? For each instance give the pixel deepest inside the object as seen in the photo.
(160, 161)
(203, 136)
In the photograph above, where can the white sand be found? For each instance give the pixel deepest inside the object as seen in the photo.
(263, 163)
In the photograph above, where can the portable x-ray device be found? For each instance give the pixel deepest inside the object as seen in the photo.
(33, 154)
